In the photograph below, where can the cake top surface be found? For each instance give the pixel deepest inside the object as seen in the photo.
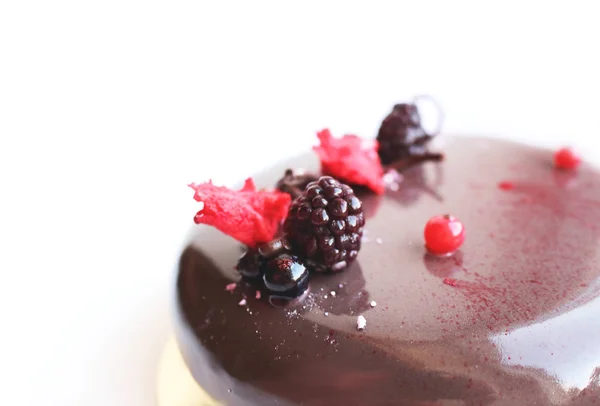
(511, 317)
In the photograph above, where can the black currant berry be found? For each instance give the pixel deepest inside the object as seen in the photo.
(285, 276)
(250, 264)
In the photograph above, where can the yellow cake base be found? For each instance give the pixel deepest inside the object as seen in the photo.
(175, 384)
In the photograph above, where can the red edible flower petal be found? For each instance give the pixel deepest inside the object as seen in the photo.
(252, 217)
(351, 159)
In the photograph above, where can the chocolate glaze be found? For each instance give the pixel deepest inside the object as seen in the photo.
(513, 318)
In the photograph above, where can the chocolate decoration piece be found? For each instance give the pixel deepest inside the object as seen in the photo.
(402, 139)
(513, 318)
(294, 182)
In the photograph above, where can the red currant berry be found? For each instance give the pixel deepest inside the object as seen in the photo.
(565, 158)
(444, 234)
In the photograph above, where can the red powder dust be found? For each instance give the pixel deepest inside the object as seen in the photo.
(351, 159)
(252, 217)
(450, 282)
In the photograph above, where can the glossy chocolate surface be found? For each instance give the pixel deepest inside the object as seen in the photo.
(513, 318)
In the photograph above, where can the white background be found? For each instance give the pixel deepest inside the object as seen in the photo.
(109, 108)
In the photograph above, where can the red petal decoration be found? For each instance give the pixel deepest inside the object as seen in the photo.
(351, 159)
(252, 217)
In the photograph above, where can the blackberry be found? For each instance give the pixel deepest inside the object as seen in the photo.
(294, 182)
(285, 276)
(325, 225)
(402, 139)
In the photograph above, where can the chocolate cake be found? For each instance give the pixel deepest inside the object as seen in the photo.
(511, 318)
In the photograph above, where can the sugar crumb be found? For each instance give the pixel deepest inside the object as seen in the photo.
(361, 323)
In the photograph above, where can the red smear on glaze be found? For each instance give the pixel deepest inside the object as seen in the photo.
(506, 185)
(252, 217)
(351, 159)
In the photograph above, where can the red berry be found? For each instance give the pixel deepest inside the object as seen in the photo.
(565, 158)
(444, 234)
